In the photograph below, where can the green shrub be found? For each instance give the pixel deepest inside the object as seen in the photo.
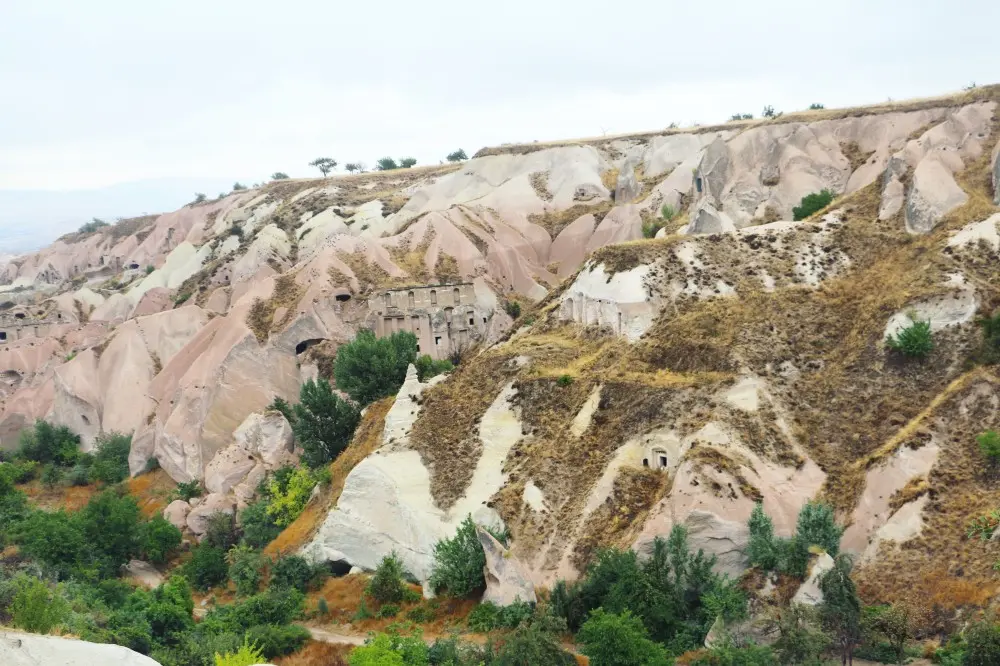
(279, 175)
(281, 405)
(618, 640)
(513, 309)
(840, 611)
(741, 116)
(989, 349)
(914, 340)
(812, 203)
(531, 645)
(35, 608)
(187, 490)
(220, 531)
(111, 524)
(386, 164)
(288, 499)
(158, 539)
(816, 107)
(55, 540)
(420, 614)
(485, 617)
(428, 367)
(457, 156)
(800, 640)
(277, 640)
(982, 643)
(111, 458)
(989, 445)
(817, 526)
(207, 567)
(387, 611)
(200, 197)
(769, 112)
(47, 443)
(369, 368)
(324, 423)
(564, 380)
(295, 572)
(52, 476)
(761, 550)
(387, 586)
(239, 187)
(407, 162)
(248, 655)
(458, 562)
(77, 475)
(391, 649)
(650, 228)
(258, 528)
(750, 655)
(245, 569)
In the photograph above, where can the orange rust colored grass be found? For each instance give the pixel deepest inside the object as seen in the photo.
(151, 491)
(317, 653)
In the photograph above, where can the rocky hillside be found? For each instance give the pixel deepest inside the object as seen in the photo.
(736, 357)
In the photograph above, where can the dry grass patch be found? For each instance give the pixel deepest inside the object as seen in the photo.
(317, 653)
(540, 183)
(260, 318)
(151, 491)
(370, 275)
(555, 221)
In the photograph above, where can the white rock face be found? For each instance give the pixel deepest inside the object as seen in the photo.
(620, 302)
(628, 186)
(18, 649)
(197, 520)
(933, 194)
(264, 440)
(988, 231)
(507, 580)
(177, 513)
(707, 220)
(809, 593)
(942, 311)
(387, 505)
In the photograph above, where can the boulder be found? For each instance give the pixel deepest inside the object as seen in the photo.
(507, 580)
(264, 440)
(177, 513)
(726, 539)
(143, 573)
(933, 194)
(18, 649)
(197, 520)
(707, 220)
(809, 593)
(627, 187)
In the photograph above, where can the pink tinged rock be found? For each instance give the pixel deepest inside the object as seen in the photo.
(197, 520)
(507, 580)
(177, 513)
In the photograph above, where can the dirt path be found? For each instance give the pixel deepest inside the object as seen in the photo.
(337, 636)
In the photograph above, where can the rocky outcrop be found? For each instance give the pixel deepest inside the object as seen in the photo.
(627, 187)
(19, 649)
(177, 513)
(727, 540)
(809, 593)
(262, 440)
(197, 518)
(619, 301)
(933, 194)
(707, 220)
(507, 580)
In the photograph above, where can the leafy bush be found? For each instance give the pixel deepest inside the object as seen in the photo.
(207, 567)
(369, 368)
(650, 228)
(989, 349)
(47, 443)
(817, 526)
(158, 539)
(513, 309)
(407, 162)
(387, 611)
(485, 617)
(914, 340)
(816, 107)
(386, 164)
(532, 645)
(387, 585)
(35, 608)
(51, 476)
(288, 499)
(989, 445)
(428, 367)
(618, 640)
(245, 569)
(281, 405)
(258, 528)
(351, 167)
(239, 187)
(457, 156)
(564, 380)
(762, 550)
(111, 458)
(187, 490)
(728, 655)
(769, 112)
(812, 203)
(840, 611)
(248, 655)
(982, 643)
(800, 640)
(324, 423)
(295, 572)
(279, 175)
(277, 640)
(220, 530)
(420, 614)
(458, 562)
(741, 116)
(111, 525)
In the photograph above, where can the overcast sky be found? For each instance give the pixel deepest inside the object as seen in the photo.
(102, 92)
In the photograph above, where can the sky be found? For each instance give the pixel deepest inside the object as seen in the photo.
(120, 100)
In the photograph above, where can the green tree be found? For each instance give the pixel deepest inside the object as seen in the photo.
(207, 567)
(387, 585)
(324, 164)
(54, 539)
(35, 607)
(800, 640)
(111, 523)
(239, 187)
(377, 651)
(531, 645)
(158, 539)
(351, 167)
(47, 443)
(896, 624)
(983, 643)
(369, 368)
(840, 611)
(245, 569)
(247, 655)
(386, 164)
(220, 531)
(459, 561)
(914, 340)
(258, 527)
(279, 175)
(812, 203)
(817, 526)
(111, 458)
(324, 423)
(761, 550)
(288, 499)
(407, 162)
(428, 367)
(294, 572)
(618, 640)
(199, 197)
(457, 156)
